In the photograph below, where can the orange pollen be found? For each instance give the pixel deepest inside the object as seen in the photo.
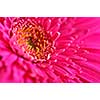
(34, 41)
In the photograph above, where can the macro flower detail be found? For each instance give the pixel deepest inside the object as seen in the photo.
(49, 49)
(35, 41)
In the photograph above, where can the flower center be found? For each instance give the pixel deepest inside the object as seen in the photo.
(33, 40)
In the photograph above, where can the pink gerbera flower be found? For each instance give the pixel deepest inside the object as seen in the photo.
(49, 49)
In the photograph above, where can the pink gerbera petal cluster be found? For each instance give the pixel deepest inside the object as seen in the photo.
(49, 49)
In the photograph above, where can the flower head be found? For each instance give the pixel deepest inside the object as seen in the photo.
(32, 39)
(51, 49)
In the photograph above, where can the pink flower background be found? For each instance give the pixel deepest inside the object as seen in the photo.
(72, 50)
